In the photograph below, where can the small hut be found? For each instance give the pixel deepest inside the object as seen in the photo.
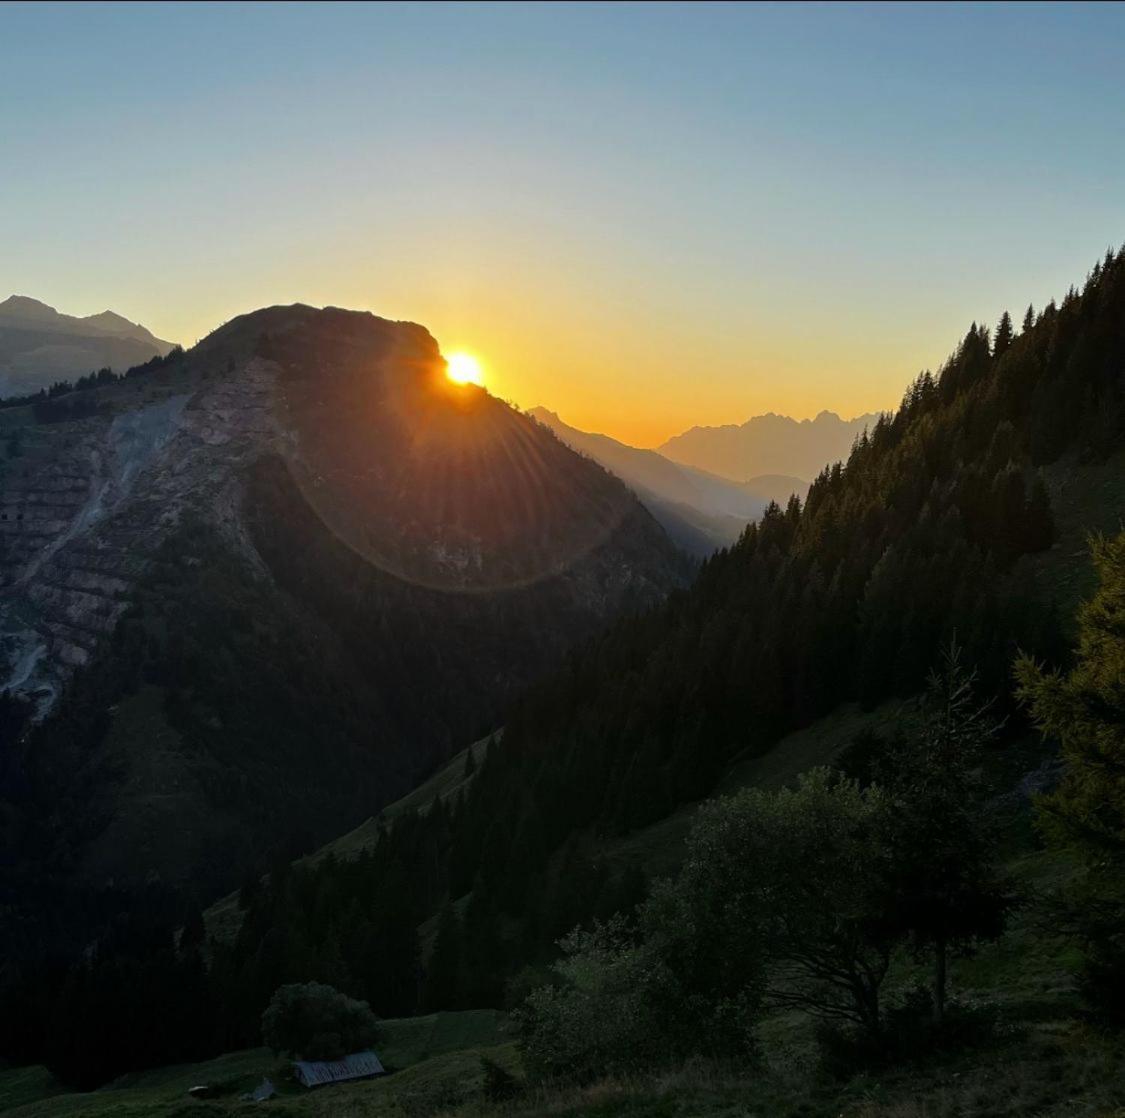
(318, 1073)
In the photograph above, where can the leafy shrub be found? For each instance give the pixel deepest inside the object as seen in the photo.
(599, 1017)
(312, 1021)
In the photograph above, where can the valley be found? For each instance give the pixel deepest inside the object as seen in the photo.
(562, 560)
(701, 512)
(433, 692)
(298, 549)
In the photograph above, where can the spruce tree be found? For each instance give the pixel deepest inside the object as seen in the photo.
(1039, 532)
(443, 973)
(1003, 337)
(943, 887)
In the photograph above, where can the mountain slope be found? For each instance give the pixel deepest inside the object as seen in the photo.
(39, 346)
(768, 444)
(700, 511)
(940, 524)
(267, 587)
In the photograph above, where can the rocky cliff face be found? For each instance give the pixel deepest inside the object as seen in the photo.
(83, 505)
(261, 590)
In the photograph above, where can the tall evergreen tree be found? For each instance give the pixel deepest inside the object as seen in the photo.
(1039, 532)
(443, 973)
(1003, 337)
(943, 886)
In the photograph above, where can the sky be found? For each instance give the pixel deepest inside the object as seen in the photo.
(644, 217)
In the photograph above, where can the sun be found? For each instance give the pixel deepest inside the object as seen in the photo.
(464, 368)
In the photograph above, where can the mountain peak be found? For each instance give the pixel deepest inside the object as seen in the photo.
(40, 345)
(23, 306)
(332, 329)
(111, 321)
(768, 444)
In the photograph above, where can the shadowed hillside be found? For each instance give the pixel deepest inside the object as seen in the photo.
(700, 511)
(255, 593)
(939, 523)
(804, 643)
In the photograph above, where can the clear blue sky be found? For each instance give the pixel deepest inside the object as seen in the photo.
(642, 216)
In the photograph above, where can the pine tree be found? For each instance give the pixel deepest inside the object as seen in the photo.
(1039, 530)
(1003, 337)
(484, 958)
(250, 891)
(442, 986)
(194, 931)
(1008, 513)
(943, 888)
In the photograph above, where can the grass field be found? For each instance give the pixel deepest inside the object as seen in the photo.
(659, 849)
(1085, 498)
(224, 917)
(446, 782)
(436, 1063)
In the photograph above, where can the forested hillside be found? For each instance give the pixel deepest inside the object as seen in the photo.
(925, 535)
(913, 540)
(255, 591)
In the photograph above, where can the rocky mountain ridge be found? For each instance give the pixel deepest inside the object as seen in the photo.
(39, 345)
(768, 444)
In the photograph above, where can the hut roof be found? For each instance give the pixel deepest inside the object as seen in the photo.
(359, 1065)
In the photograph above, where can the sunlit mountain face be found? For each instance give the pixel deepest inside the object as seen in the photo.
(412, 464)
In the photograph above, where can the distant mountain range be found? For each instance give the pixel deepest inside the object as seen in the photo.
(699, 511)
(39, 346)
(768, 444)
